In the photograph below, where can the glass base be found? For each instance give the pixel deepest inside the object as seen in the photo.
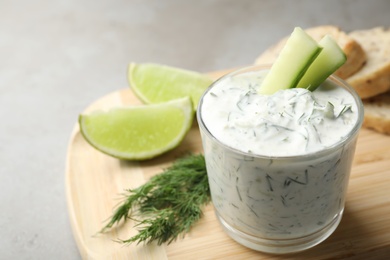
(281, 246)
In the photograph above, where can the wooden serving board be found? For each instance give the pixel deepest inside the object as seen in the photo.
(95, 182)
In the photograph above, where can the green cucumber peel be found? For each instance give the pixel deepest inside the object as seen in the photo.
(303, 63)
(293, 61)
(327, 62)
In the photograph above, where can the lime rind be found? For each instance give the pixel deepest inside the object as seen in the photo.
(138, 132)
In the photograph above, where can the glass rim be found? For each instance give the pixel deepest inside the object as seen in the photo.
(338, 81)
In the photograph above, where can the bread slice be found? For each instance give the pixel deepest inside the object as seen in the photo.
(374, 77)
(352, 49)
(377, 113)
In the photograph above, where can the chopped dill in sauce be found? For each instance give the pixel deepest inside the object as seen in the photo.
(273, 196)
(289, 122)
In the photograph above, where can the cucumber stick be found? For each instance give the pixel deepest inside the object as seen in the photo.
(328, 61)
(293, 61)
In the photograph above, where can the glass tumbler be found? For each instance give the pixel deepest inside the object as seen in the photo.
(279, 204)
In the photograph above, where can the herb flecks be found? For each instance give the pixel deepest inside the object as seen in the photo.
(168, 205)
(269, 179)
(345, 109)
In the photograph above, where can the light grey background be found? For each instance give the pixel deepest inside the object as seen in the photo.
(56, 57)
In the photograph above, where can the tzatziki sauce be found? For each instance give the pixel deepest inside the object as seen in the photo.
(278, 165)
(290, 122)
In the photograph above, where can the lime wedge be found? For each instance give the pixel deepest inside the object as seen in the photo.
(154, 83)
(138, 132)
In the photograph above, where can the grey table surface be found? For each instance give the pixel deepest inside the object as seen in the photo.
(56, 57)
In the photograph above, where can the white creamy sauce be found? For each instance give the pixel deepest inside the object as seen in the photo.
(272, 197)
(289, 122)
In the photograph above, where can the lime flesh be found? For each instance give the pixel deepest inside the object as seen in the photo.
(154, 83)
(138, 132)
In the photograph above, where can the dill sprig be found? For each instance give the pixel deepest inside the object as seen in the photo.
(168, 204)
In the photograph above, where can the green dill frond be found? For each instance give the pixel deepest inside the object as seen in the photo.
(167, 205)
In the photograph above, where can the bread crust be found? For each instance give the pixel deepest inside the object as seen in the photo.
(374, 77)
(377, 113)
